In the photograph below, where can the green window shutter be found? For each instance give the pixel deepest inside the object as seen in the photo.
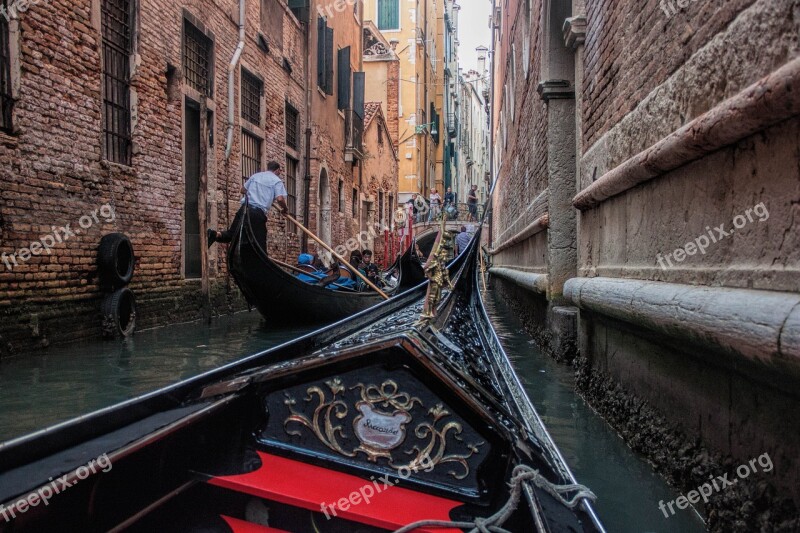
(388, 14)
(359, 84)
(321, 52)
(344, 78)
(328, 60)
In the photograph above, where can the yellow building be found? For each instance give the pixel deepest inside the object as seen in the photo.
(415, 30)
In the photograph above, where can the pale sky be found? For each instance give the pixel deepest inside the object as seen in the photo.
(473, 31)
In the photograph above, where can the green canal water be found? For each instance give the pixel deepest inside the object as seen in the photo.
(62, 382)
(627, 488)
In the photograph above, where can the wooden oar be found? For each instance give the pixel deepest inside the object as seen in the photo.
(337, 256)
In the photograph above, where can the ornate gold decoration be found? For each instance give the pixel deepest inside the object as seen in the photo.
(324, 429)
(436, 271)
(381, 432)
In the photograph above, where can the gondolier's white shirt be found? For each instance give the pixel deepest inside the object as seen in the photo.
(262, 189)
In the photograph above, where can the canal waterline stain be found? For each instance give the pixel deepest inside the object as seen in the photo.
(627, 487)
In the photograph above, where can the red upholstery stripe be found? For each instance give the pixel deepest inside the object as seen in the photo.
(240, 526)
(309, 487)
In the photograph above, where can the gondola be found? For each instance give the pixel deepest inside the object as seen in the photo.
(283, 298)
(368, 425)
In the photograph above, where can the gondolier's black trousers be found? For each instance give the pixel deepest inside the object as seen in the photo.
(256, 219)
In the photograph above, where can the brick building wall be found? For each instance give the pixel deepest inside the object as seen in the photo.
(380, 176)
(334, 219)
(520, 122)
(53, 172)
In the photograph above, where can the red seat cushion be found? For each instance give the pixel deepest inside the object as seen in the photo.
(309, 487)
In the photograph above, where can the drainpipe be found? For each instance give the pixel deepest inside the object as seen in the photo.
(232, 78)
(491, 103)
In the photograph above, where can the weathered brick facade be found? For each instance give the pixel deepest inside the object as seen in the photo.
(380, 177)
(53, 172)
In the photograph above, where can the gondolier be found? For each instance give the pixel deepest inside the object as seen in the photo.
(260, 192)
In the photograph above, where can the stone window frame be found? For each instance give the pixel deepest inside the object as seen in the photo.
(14, 70)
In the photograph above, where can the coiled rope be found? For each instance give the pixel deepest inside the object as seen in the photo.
(520, 475)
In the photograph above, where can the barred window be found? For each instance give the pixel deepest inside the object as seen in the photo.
(196, 59)
(291, 188)
(355, 202)
(252, 88)
(6, 96)
(117, 25)
(292, 126)
(341, 196)
(251, 155)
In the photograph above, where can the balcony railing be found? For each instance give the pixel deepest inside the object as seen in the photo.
(452, 125)
(354, 136)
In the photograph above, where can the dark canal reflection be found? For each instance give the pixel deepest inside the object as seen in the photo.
(62, 382)
(628, 489)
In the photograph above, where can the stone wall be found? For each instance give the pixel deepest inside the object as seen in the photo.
(687, 121)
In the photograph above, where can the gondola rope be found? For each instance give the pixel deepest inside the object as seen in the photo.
(520, 475)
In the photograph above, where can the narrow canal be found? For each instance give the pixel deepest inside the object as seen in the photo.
(628, 489)
(62, 382)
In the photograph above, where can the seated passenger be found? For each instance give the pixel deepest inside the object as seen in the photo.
(370, 269)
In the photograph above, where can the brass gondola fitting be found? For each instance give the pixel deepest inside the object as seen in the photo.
(436, 271)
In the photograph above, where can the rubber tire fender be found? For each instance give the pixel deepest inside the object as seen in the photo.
(115, 260)
(118, 312)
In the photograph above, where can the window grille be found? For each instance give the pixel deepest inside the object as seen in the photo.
(251, 155)
(117, 22)
(252, 88)
(196, 59)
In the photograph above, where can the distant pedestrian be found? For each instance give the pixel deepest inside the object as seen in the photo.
(413, 204)
(472, 203)
(260, 192)
(449, 197)
(450, 208)
(436, 205)
(462, 240)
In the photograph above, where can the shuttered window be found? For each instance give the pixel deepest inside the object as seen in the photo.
(359, 84)
(388, 14)
(344, 78)
(324, 56)
(117, 23)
